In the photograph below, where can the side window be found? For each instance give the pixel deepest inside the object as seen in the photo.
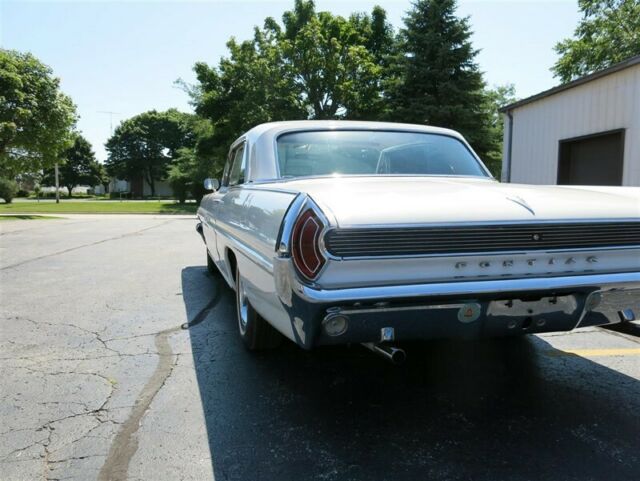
(225, 172)
(236, 174)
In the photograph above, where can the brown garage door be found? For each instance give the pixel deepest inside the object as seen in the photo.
(592, 160)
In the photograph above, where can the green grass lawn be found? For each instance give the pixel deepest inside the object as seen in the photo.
(98, 207)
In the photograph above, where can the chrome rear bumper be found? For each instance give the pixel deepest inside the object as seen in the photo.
(479, 317)
(436, 310)
(465, 289)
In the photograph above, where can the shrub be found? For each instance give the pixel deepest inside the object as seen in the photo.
(44, 195)
(120, 195)
(180, 189)
(22, 193)
(8, 190)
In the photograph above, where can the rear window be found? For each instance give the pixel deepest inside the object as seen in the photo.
(374, 153)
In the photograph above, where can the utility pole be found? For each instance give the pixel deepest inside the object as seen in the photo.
(57, 185)
(110, 114)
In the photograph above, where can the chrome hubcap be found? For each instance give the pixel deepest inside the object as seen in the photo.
(243, 307)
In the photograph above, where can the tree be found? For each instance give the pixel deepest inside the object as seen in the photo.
(246, 89)
(608, 33)
(435, 78)
(315, 65)
(187, 175)
(145, 145)
(190, 167)
(36, 119)
(335, 63)
(104, 177)
(78, 166)
(496, 98)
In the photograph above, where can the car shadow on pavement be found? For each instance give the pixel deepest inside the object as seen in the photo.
(491, 409)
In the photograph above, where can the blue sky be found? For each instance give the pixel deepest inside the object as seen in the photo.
(124, 56)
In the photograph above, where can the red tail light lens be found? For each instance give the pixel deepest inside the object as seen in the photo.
(305, 248)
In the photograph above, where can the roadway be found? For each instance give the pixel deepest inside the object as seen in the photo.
(101, 381)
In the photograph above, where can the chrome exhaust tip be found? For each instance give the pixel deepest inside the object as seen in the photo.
(395, 355)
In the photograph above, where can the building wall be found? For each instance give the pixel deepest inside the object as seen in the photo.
(608, 103)
(163, 188)
(118, 185)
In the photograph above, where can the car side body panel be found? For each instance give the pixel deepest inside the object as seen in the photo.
(245, 225)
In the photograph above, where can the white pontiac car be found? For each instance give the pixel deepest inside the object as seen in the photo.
(335, 232)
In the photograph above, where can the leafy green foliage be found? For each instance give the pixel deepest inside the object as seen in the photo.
(36, 119)
(335, 63)
(246, 89)
(437, 81)
(8, 190)
(145, 145)
(315, 65)
(78, 166)
(103, 176)
(189, 169)
(185, 176)
(495, 98)
(320, 66)
(608, 33)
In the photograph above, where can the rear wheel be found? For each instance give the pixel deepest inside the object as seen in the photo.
(256, 333)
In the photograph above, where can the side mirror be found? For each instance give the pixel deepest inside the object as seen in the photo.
(211, 184)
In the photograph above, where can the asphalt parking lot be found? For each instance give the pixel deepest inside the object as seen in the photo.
(102, 381)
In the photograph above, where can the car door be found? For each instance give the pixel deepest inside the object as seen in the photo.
(227, 206)
(210, 205)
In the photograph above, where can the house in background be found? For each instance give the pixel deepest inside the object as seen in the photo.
(140, 188)
(585, 132)
(78, 189)
(137, 188)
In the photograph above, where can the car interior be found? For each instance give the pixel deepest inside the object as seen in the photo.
(312, 154)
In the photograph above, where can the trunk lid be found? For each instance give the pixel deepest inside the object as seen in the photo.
(372, 201)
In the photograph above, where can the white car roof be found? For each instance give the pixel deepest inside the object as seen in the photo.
(261, 139)
(273, 129)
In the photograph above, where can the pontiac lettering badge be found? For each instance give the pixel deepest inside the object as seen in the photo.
(532, 261)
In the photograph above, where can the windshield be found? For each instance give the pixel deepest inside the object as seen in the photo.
(374, 153)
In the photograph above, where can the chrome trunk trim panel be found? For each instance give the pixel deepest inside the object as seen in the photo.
(371, 242)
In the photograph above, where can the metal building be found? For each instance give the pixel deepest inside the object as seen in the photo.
(585, 132)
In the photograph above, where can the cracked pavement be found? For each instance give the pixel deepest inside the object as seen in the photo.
(82, 303)
(102, 379)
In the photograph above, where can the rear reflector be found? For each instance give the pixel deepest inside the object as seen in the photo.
(305, 247)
